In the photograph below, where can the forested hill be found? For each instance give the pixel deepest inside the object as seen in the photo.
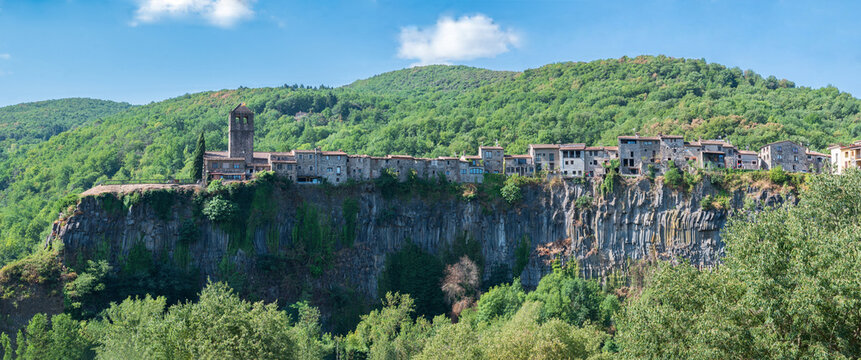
(450, 111)
(431, 78)
(43, 119)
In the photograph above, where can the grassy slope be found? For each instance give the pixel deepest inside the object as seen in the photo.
(452, 110)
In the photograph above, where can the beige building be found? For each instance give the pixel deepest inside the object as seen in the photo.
(845, 157)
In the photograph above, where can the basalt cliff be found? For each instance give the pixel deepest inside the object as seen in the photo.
(639, 220)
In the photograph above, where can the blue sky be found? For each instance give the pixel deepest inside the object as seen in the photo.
(148, 50)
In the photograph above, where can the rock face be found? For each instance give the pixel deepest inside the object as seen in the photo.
(639, 220)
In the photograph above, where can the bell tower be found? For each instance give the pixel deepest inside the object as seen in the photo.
(240, 142)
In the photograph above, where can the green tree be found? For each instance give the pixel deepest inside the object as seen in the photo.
(197, 164)
(789, 287)
(417, 273)
(566, 296)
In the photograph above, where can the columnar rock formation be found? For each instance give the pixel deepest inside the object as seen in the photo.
(639, 220)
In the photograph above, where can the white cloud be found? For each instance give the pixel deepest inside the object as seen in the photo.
(466, 38)
(223, 13)
(5, 56)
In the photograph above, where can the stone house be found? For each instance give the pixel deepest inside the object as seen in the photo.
(545, 157)
(672, 149)
(284, 164)
(818, 162)
(359, 167)
(332, 166)
(519, 164)
(493, 158)
(747, 160)
(597, 157)
(790, 156)
(639, 154)
(475, 169)
(450, 166)
(572, 160)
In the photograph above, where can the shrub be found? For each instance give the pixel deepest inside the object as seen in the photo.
(501, 301)
(777, 175)
(215, 186)
(511, 192)
(521, 255)
(673, 177)
(220, 210)
(584, 202)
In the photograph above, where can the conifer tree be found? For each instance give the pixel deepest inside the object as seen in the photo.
(197, 168)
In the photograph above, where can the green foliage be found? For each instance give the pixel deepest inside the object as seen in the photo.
(673, 177)
(500, 301)
(424, 112)
(350, 210)
(521, 255)
(197, 156)
(718, 202)
(463, 245)
(314, 241)
(416, 273)
(584, 202)
(84, 288)
(789, 287)
(220, 210)
(511, 191)
(387, 333)
(565, 296)
(610, 178)
(777, 175)
(219, 325)
(63, 339)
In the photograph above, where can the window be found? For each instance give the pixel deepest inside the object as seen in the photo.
(552, 157)
(214, 165)
(338, 170)
(280, 166)
(236, 165)
(463, 171)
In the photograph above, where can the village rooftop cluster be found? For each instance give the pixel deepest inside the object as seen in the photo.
(637, 155)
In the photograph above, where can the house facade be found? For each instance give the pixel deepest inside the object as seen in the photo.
(637, 155)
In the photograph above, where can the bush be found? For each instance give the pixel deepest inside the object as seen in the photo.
(521, 255)
(220, 210)
(511, 192)
(673, 177)
(500, 301)
(777, 175)
(584, 202)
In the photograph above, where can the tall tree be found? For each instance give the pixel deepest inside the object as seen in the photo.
(197, 169)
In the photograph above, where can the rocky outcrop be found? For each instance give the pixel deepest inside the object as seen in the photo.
(640, 220)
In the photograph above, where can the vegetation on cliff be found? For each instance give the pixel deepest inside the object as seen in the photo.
(427, 111)
(790, 287)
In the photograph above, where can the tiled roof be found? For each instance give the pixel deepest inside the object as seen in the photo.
(544, 146)
(628, 137)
